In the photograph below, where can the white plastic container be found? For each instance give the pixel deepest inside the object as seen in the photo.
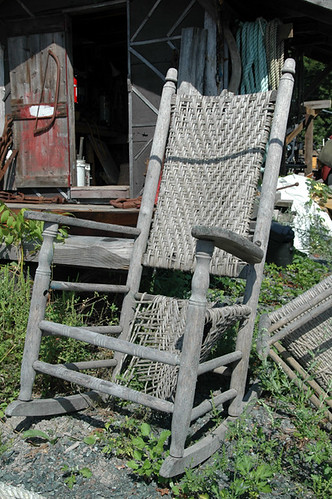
(80, 172)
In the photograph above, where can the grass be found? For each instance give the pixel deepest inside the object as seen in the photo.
(258, 455)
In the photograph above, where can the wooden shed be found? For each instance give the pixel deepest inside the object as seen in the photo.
(81, 80)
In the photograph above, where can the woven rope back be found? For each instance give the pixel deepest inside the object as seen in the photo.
(215, 149)
(311, 344)
(159, 323)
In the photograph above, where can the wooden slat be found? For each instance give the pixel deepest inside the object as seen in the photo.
(210, 365)
(91, 364)
(208, 404)
(82, 334)
(303, 319)
(81, 251)
(100, 192)
(104, 329)
(103, 386)
(75, 222)
(88, 286)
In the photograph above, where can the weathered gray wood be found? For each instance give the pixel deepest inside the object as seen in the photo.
(90, 364)
(104, 329)
(231, 242)
(37, 311)
(262, 231)
(300, 309)
(209, 404)
(233, 85)
(117, 344)
(52, 406)
(206, 446)
(103, 386)
(87, 286)
(195, 454)
(100, 192)
(190, 354)
(210, 85)
(213, 364)
(192, 61)
(302, 372)
(147, 204)
(76, 222)
(295, 378)
(81, 251)
(311, 314)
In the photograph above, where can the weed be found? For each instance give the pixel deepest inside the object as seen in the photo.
(148, 452)
(15, 230)
(34, 436)
(70, 474)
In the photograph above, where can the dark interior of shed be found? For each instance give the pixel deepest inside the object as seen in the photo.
(99, 44)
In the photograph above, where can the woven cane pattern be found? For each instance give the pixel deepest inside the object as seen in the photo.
(159, 323)
(212, 164)
(311, 344)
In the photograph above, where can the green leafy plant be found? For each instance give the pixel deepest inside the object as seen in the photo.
(148, 452)
(34, 436)
(70, 474)
(15, 230)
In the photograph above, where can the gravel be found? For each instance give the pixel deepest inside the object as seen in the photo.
(38, 468)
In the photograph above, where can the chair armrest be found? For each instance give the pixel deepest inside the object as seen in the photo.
(77, 222)
(228, 241)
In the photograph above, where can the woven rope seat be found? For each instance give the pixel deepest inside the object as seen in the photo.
(208, 170)
(311, 343)
(159, 323)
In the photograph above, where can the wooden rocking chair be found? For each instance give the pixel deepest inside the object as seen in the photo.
(210, 151)
(301, 334)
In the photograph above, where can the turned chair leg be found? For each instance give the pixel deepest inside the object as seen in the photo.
(39, 298)
(190, 354)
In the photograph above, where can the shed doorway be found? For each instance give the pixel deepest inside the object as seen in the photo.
(99, 55)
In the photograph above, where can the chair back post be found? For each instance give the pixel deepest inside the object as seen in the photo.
(262, 230)
(148, 198)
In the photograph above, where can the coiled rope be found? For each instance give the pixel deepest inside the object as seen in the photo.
(250, 41)
(9, 492)
(274, 53)
(262, 55)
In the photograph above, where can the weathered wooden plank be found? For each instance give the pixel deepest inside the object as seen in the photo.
(192, 61)
(76, 222)
(103, 386)
(81, 251)
(100, 192)
(29, 112)
(210, 85)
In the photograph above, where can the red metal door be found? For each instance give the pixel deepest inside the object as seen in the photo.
(41, 80)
